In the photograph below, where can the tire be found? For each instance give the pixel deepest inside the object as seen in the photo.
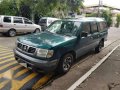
(99, 47)
(63, 65)
(11, 33)
(37, 31)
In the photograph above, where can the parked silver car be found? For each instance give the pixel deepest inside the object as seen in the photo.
(44, 22)
(11, 25)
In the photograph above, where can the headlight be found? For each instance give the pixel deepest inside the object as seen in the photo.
(45, 53)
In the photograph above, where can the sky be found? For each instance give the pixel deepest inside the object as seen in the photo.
(113, 3)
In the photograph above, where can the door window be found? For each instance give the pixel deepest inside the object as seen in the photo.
(102, 26)
(18, 20)
(27, 21)
(86, 27)
(7, 19)
(94, 27)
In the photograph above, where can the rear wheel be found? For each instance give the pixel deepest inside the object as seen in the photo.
(99, 47)
(65, 64)
(11, 33)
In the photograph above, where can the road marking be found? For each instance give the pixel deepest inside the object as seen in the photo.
(86, 75)
(5, 54)
(2, 84)
(42, 81)
(3, 49)
(5, 57)
(7, 65)
(14, 68)
(16, 85)
(21, 73)
(11, 59)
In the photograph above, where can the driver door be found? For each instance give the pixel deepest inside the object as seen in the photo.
(85, 41)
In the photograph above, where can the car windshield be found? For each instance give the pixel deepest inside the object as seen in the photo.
(68, 28)
(43, 21)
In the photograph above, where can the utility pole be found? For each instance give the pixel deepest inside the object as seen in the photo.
(99, 8)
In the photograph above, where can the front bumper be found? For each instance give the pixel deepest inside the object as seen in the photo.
(37, 64)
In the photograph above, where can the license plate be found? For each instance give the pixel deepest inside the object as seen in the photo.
(23, 64)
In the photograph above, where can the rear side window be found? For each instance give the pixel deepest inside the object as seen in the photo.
(94, 27)
(102, 26)
(18, 20)
(27, 21)
(86, 27)
(7, 19)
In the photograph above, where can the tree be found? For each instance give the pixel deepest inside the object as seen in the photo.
(32, 8)
(7, 8)
(75, 5)
(107, 15)
(118, 20)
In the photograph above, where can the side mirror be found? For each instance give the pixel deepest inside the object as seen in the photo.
(84, 34)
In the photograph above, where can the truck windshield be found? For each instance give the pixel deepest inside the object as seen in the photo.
(68, 28)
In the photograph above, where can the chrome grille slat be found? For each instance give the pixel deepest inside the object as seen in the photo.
(26, 48)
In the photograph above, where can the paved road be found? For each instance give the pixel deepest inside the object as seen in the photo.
(29, 79)
(15, 77)
(106, 77)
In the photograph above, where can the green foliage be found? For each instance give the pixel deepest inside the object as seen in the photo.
(107, 15)
(30, 8)
(118, 20)
(91, 15)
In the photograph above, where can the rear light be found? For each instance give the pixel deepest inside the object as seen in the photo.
(1, 25)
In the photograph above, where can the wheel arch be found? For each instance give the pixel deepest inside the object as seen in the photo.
(71, 52)
(11, 29)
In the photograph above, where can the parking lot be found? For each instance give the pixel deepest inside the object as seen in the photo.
(14, 76)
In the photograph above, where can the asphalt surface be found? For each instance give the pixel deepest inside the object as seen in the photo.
(29, 80)
(106, 77)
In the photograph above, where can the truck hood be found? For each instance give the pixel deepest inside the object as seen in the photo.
(45, 40)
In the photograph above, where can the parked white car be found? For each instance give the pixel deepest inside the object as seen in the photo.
(44, 22)
(11, 25)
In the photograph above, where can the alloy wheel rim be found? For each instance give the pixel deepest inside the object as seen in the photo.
(12, 33)
(67, 63)
(100, 46)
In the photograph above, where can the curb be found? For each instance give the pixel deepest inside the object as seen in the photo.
(86, 75)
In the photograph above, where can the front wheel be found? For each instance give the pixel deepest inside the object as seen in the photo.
(65, 64)
(37, 31)
(99, 47)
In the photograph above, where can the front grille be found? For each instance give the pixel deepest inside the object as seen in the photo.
(26, 48)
